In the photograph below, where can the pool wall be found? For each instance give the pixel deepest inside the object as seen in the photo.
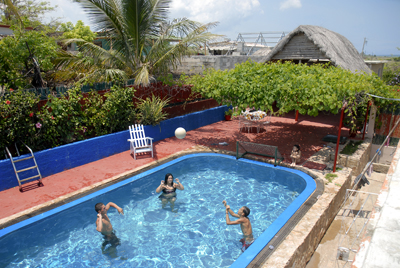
(58, 159)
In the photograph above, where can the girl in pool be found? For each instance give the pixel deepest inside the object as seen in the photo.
(168, 188)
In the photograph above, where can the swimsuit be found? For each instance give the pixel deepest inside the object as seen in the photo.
(169, 191)
(246, 244)
(165, 191)
(111, 239)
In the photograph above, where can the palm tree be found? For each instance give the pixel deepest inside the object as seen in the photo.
(143, 42)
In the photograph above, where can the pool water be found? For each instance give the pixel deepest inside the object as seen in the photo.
(195, 234)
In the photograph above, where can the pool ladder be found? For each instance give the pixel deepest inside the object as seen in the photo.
(35, 166)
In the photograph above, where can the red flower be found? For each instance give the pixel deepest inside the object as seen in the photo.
(11, 89)
(31, 114)
(8, 102)
(52, 117)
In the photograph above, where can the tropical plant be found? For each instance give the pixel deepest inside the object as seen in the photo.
(142, 42)
(150, 110)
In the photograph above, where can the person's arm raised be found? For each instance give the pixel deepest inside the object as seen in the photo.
(178, 184)
(111, 204)
(229, 222)
(228, 209)
(160, 187)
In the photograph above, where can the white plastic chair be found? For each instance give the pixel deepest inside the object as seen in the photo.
(244, 123)
(139, 143)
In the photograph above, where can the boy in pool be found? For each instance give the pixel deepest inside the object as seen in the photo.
(244, 222)
(103, 224)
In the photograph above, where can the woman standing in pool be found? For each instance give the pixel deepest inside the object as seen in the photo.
(168, 188)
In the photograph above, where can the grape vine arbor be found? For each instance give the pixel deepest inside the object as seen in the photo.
(306, 89)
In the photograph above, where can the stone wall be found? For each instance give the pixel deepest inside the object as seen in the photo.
(197, 64)
(299, 246)
(358, 159)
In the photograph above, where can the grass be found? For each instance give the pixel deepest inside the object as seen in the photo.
(351, 147)
(330, 176)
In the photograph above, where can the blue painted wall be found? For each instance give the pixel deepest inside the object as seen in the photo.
(68, 156)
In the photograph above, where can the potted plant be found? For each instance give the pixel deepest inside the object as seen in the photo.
(228, 114)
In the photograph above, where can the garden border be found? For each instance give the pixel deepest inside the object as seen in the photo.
(58, 159)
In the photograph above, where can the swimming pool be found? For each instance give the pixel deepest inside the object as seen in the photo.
(195, 236)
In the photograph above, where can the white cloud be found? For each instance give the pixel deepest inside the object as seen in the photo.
(211, 10)
(290, 4)
(68, 10)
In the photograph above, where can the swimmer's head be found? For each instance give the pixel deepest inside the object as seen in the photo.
(98, 207)
(246, 211)
(168, 175)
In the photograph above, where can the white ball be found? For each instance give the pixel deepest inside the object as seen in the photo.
(180, 133)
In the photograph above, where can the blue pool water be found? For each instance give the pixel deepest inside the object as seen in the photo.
(194, 236)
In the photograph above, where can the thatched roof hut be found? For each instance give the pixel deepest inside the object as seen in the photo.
(312, 44)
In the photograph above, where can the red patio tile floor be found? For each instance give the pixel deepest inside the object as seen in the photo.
(283, 132)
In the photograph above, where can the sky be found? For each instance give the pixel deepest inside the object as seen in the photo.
(376, 21)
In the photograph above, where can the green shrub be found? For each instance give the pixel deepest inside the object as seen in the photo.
(117, 112)
(150, 110)
(61, 119)
(18, 118)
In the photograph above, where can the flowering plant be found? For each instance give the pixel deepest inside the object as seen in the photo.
(17, 117)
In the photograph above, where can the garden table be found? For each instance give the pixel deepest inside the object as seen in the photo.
(259, 119)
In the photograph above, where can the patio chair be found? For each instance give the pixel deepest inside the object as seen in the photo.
(139, 143)
(244, 123)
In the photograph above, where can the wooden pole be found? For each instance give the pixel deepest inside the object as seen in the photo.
(338, 137)
(365, 122)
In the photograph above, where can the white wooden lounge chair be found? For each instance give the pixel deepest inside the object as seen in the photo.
(139, 143)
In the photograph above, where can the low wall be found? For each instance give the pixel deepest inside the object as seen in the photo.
(190, 107)
(58, 159)
(197, 64)
(299, 246)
